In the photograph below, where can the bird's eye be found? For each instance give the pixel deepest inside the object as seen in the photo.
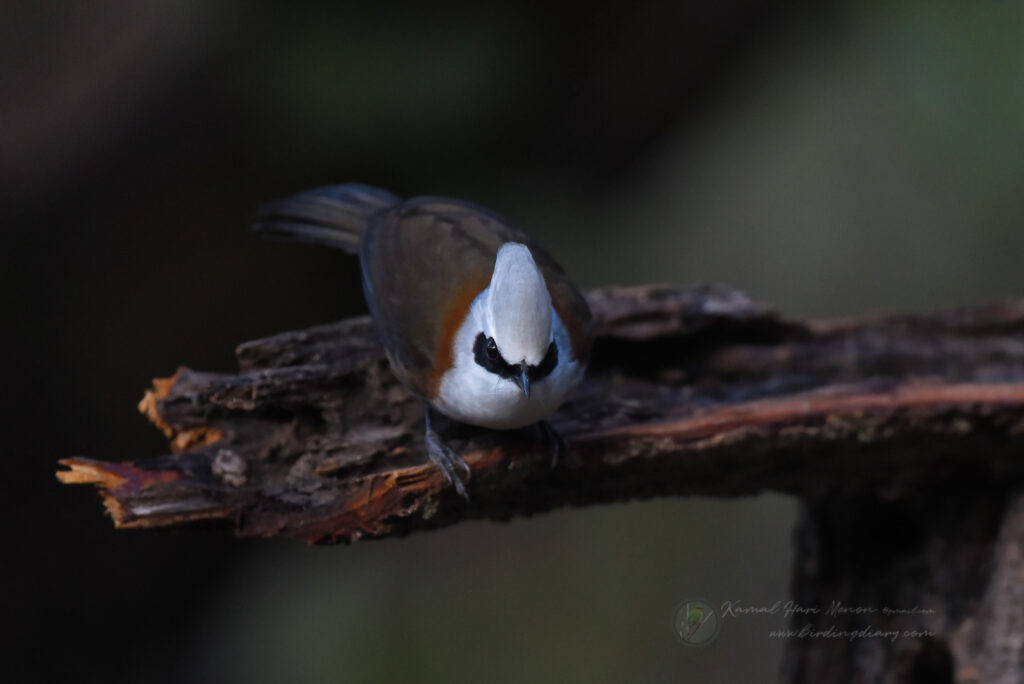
(492, 349)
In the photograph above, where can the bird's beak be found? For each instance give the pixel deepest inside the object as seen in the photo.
(523, 379)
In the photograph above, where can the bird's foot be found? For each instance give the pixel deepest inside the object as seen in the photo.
(553, 442)
(447, 460)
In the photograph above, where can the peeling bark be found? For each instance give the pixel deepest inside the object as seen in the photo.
(700, 392)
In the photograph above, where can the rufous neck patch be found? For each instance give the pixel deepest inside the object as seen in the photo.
(444, 354)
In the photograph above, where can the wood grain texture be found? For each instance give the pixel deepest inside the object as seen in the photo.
(690, 392)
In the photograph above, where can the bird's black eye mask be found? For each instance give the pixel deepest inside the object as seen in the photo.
(486, 354)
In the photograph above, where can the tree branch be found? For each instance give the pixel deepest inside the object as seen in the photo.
(699, 392)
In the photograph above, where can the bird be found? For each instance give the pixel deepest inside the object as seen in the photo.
(476, 319)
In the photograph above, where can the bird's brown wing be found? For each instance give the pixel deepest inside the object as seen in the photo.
(424, 261)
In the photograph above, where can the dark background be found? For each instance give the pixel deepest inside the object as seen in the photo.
(833, 158)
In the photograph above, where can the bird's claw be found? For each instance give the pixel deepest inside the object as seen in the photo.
(553, 441)
(447, 461)
(450, 463)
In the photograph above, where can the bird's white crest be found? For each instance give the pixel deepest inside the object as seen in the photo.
(518, 310)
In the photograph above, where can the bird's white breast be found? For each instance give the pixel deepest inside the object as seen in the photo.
(471, 394)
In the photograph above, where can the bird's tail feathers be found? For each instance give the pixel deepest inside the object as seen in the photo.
(333, 216)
